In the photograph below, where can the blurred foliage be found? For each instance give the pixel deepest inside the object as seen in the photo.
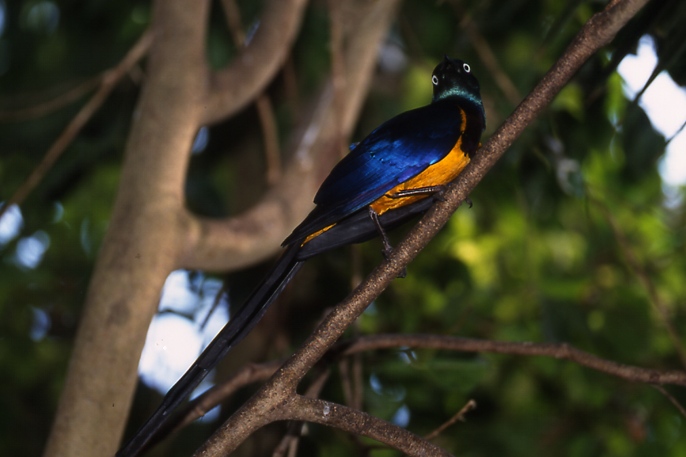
(544, 254)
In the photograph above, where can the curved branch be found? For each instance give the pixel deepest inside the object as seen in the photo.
(358, 423)
(256, 412)
(556, 350)
(259, 372)
(233, 87)
(232, 243)
(226, 244)
(263, 104)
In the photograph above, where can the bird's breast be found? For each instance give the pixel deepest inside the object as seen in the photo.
(438, 174)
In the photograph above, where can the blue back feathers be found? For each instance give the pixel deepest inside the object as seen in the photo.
(400, 148)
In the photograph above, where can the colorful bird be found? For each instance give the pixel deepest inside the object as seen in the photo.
(386, 179)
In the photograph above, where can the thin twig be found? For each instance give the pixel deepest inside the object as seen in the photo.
(644, 279)
(262, 102)
(197, 408)
(337, 66)
(459, 416)
(671, 398)
(109, 80)
(47, 107)
(486, 54)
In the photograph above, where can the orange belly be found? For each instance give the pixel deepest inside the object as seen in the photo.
(438, 174)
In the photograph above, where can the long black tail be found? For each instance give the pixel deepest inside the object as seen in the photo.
(233, 332)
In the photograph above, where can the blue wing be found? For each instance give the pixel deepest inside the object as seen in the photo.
(396, 151)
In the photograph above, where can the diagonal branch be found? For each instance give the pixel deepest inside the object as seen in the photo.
(281, 388)
(108, 81)
(458, 416)
(46, 107)
(233, 87)
(639, 270)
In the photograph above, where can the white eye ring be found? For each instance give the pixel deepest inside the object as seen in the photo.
(434, 80)
(466, 67)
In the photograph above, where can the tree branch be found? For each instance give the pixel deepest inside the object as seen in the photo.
(639, 271)
(197, 408)
(357, 423)
(55, 103)
(142, 242)
(232, 243)
(556, 350)
(458, 416)
(259, 372)
(281, 388)
(233, 87)
(108, 81)
(236, 242)
(265, 111)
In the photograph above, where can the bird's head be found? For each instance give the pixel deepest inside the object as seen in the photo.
(454, 78)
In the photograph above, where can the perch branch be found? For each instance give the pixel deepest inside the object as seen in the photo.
(281, 388)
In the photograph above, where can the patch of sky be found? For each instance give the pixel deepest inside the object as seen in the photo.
(31, 249)
(201, 140)
(181, 329)
(11, 224)
(664, 102)
(40, 324)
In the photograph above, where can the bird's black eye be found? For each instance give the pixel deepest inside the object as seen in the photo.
(434, 80)
(466, 67)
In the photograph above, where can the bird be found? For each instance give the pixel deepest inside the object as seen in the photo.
(394, 174)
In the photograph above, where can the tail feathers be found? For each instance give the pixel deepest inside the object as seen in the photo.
(241, 323)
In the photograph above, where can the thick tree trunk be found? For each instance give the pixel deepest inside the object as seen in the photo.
(142, 244)
(151, 233)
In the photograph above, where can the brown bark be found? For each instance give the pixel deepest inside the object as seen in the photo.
(151, 233)
(148, 231)
(278, 393)
(137, 253)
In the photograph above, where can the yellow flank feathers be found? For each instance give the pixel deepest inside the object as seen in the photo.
(438, 174)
